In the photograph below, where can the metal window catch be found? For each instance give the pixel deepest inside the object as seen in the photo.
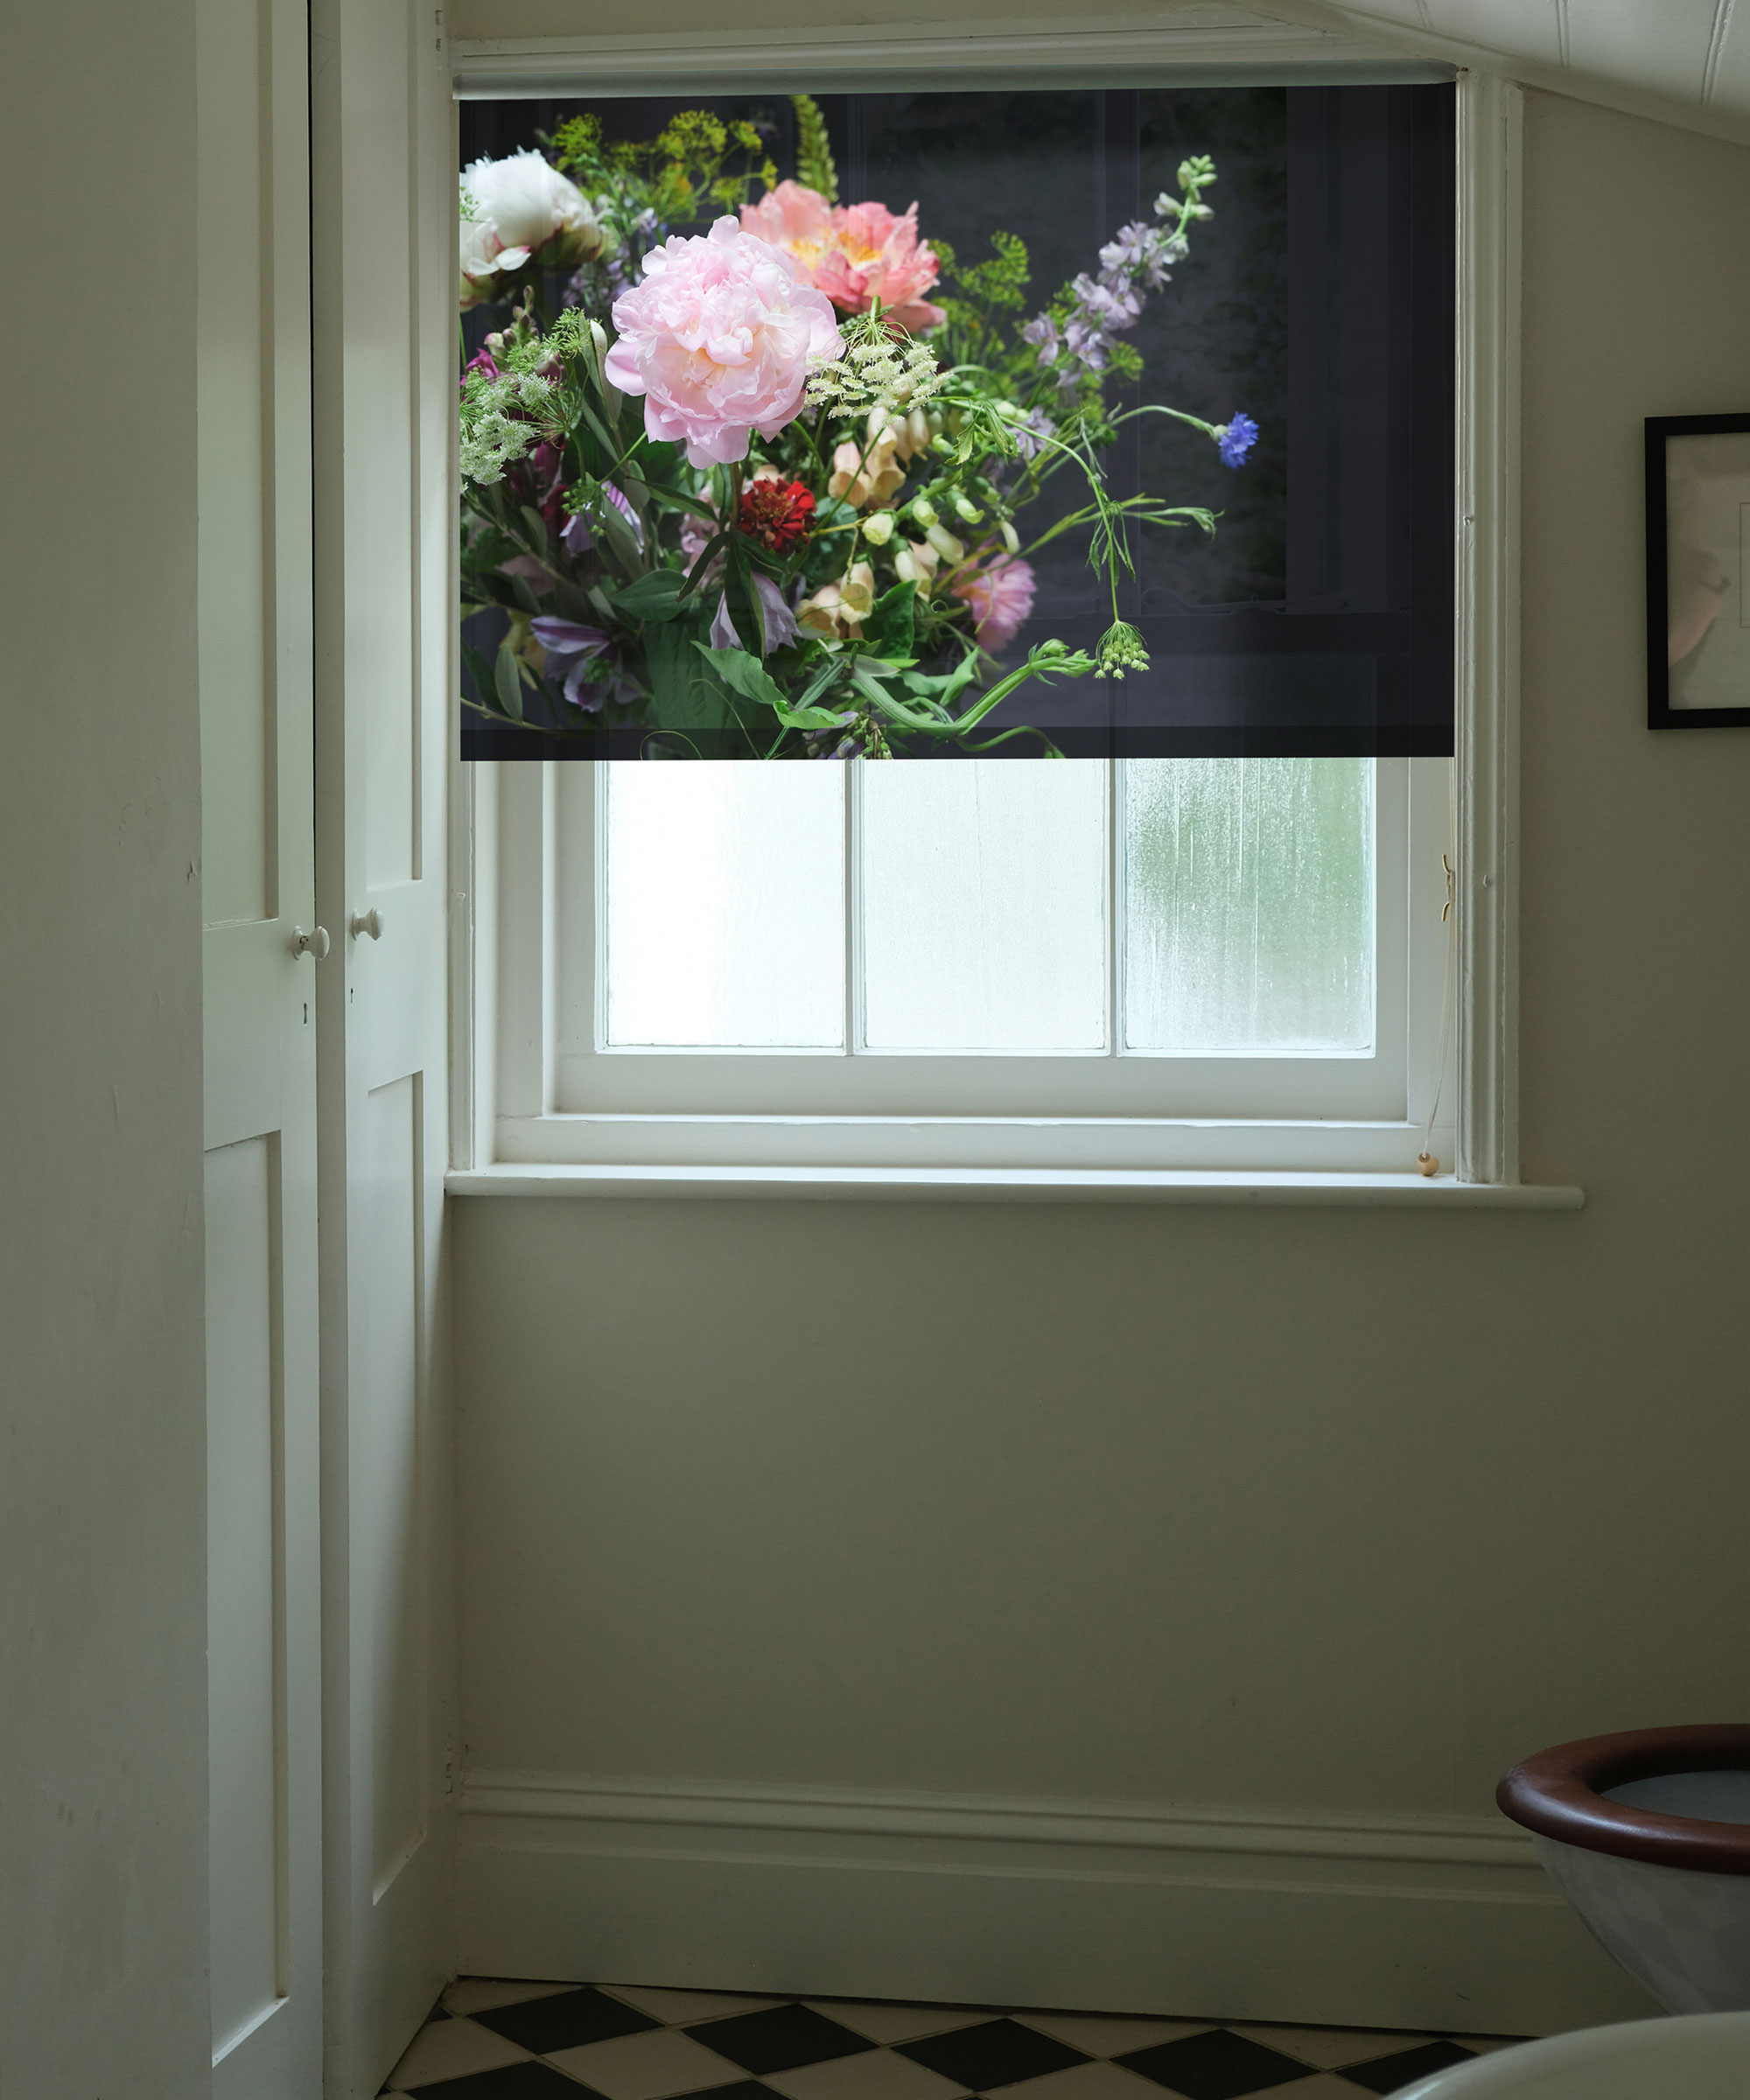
(366, 923)
(314, 943)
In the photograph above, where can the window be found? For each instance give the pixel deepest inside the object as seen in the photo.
(1135, 962)
(1150, 959)
(1141, 937)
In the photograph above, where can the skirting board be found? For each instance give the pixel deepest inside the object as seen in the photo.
(1428, 1922)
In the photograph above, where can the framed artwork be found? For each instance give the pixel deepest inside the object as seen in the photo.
(1698, 571)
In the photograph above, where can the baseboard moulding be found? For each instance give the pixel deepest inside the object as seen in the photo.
(1423, 1922)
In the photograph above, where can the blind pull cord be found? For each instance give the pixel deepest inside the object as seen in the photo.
(1424, 1160)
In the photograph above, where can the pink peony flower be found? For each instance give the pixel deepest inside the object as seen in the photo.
(855, 254)
(794, 217)
(1001, 596)
(717, 338)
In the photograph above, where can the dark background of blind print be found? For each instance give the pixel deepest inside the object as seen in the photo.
(1318, 300)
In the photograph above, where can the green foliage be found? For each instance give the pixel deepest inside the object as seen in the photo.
(888, 630)
(1002, 281)
(684, 174)
(576, 150)
(747, 676)
(652, 596)
(684, 694)
(814, 168)
(975, 295)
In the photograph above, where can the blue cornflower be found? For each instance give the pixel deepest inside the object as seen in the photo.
(1236, 438)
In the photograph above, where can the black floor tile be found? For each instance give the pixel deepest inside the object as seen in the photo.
(514, 2082)
(1386, 2073)
(996, 2053)
(743, 2089)
(566, 2021)
(782, 2039)
(1216, 2066)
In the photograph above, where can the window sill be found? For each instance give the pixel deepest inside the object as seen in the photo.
(1011, 1185)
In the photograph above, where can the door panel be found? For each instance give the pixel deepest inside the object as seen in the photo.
(400, 1723)
(245, 1626)
(259, 997)
(385, 200)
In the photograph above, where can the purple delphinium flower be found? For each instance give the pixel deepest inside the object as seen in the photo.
(1043, 331)
(1030, 435)
(1129, 248)
(570, 650)
(483, 362)
(1133, 263)
(1236, 438)
(1110, 305)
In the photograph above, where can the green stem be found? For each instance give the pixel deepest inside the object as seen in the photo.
(1156, 408)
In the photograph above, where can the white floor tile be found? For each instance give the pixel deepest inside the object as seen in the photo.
(486, 1993)
(1486, 2045)
(878, 2075)
(1324, 2087)
(1091, 2082)
(647, 2066)
(1331, 2048)
(681, 2008)
(1100, 2036)
(887, 2024)
(451, 2048)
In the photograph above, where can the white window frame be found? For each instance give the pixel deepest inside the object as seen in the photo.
(508, 1132)
(591, 1076)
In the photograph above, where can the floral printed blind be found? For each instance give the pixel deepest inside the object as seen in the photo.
(1013, 423)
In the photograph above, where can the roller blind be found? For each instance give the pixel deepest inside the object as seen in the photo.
(1316, 305)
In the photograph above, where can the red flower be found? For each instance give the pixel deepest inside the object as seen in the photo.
(777, 514)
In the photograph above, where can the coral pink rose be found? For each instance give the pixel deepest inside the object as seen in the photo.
(717, 338)
(1001, 596)
(855, 254)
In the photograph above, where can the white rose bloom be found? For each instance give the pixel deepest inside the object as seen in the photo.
(514, 206)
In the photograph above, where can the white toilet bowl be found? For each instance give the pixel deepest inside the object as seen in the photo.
(1705, 2057)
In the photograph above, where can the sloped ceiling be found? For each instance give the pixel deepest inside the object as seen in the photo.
(1687, 61)
(1681, 62)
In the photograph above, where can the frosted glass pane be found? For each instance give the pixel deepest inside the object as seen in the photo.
(983, 904)
(726, 906)
(1249, 904)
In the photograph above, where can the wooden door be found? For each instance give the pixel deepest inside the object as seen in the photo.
(384, 202)
(260, 996)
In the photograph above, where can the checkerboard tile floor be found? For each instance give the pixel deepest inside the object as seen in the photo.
(495, 2040)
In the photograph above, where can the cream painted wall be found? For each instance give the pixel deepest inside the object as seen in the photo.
(495, 18)
(102, 1411)
(1282, 1510)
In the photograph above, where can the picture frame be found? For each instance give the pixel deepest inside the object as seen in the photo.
(1698, 571)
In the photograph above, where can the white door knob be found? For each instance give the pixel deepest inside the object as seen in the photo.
(314, 943)
(370, 923)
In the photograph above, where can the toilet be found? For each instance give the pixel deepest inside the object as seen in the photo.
(1705, 2057)
(1648, 1835)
